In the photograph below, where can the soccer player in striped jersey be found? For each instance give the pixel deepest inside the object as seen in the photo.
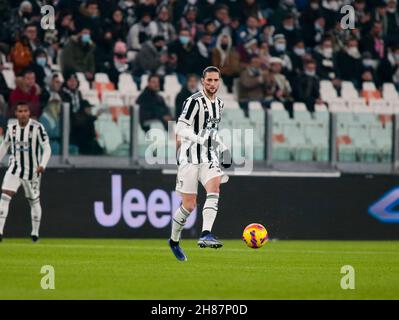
(199, 155)
(30, 153)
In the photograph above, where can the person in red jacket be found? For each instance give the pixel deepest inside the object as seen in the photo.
(27, 91)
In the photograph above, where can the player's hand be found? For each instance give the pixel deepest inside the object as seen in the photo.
(226, 159)
(40, 169)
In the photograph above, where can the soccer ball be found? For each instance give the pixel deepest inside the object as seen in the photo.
(255, 235)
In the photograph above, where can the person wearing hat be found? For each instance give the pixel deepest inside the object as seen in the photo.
(282, 88)
(289, 30)
(279, 49)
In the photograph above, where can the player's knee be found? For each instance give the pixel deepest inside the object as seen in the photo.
(190, 205)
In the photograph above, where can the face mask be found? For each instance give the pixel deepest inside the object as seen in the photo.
(128, 4)
(289, 28)
(184, 40)
(41, 61)
(391, 10)
(353, 51)
(314, 5)
(280, 47)
(86, 38)
(224, 46)
(368, 63)
(310, 73)
(328, 52)
(192, 2)
(299, 51)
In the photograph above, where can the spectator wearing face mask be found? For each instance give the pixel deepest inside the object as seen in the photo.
(183, 53)
(279, 50)
(306, 88)
(298, 55)
(41, 68)
(90, 17)
(119, 63)
(78, 54)
(186, 91)
(227, 59)
(289, 30)
(141, 32)
(349, 62)
(189, 20)
(326, 60)
(152, 59)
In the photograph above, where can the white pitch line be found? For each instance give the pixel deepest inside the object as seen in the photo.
(127, 247)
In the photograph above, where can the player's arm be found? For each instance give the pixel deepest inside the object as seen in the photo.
(184, 127)
(45, 144)
(5, 145)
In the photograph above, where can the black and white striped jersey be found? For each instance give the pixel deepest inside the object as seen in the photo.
(200, 113)
(29, 148)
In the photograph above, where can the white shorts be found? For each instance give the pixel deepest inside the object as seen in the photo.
(189, 174)
(31, 188)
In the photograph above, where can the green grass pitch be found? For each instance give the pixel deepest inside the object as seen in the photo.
(146, 269)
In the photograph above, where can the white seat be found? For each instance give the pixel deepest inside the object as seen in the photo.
(277, 106)
(349, 93)
(9, 77)
(126, 83)
(101, 77)
(348, 85)
(338, 105)
(389, 91)
(172, 84)
(378, 103)
(368, 86)
(299, 106)
(91, 95)
(357, 103)
(112, 98)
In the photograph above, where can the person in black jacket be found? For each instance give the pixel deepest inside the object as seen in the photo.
(388, 70)
(307, 86)
(349, 62)
(152, 105)
(186, 91)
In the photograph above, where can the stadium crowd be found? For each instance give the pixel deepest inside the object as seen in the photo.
(279, 50)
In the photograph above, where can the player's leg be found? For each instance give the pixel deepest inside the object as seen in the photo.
(32, 193)
(10, 186)
(211, 177)
(181, 215)
(186, 186)
(209, 213)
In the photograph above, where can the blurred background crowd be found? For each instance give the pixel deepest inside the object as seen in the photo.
(275, 50)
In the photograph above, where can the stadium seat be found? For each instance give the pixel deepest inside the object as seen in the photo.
(389, 91)
(112, 99)
(9, 77)
(101, 77)
(91, 96)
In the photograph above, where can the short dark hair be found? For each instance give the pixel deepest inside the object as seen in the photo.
(26, 71)
(153, 75)
(21, 103)
(210, 69)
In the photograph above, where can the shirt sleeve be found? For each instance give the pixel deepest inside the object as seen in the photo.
(184, 127)
(45, 144)
(5, 145)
